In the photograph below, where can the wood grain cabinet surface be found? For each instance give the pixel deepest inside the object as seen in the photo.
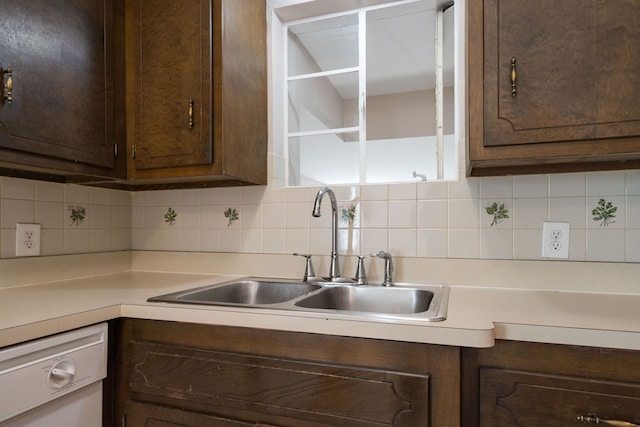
(196, 91)
(64, 64)
(553, 86)
(139, 414)
(270, 378)
(528, 384)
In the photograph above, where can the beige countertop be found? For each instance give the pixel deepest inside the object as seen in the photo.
(477, 315)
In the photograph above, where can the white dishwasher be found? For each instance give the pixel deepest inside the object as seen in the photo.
(54, 381)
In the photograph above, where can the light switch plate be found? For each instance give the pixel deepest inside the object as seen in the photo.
(27, 239)
(555, 239)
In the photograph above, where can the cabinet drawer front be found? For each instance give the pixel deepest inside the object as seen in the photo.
(327, 394)
(510, 398)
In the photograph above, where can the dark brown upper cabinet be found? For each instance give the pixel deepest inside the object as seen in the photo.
(196, 92)
(553, 86)
(58, 66)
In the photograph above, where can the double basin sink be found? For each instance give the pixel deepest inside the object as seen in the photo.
(417, 302)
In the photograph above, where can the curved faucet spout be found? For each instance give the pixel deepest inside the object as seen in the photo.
(334, 268)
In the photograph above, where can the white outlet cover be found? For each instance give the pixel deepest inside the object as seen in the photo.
(27, 239)
(555, 239)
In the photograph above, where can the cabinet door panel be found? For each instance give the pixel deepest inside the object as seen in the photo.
(576, 70)
(510, 398)
(63, 105)
(145, 415)
(173, 63)
(324, 394)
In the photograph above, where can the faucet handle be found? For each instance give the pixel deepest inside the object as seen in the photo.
(361, 273)
(388, 268)
(309, 272)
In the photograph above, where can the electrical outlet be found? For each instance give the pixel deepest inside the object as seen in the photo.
(555, 239)
(27, 239)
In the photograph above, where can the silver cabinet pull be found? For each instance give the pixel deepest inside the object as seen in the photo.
(594, 419)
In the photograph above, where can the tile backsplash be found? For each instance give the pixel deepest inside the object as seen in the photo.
(74, 219)
(490, 218)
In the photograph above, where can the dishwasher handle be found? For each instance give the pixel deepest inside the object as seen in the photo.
(62, 373)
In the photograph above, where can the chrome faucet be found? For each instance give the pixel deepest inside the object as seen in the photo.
(334, 267)
(388, 268)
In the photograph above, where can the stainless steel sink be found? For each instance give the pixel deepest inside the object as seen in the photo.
(409, 302)
(245, 292)
(370, 300)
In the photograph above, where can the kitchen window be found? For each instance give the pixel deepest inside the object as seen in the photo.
(368, 95)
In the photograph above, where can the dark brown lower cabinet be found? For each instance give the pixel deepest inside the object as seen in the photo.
(530, 385)
(517, 398)
(139, 414)
(198, 375)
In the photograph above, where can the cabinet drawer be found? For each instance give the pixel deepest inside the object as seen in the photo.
(513, 397)
(264, 388)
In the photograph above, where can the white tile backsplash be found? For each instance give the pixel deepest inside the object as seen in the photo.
(402, 214)
(616, 222)
(633, 183)
(567, 185)
(496, 243)
(569, 209)
(50, 191)
(375, 214)
(107, 225)
(529, 213)
(633, 246)
(433, 214)
(496, 187)
(403, 242)
(531, 186)
(605, 184)
(464, 243)
(606, 245)
(432, 243)
(49, 214)
(463, 213)
(14, 188)
(426, 219)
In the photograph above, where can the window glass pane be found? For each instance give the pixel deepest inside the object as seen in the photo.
(401, 92)
(324, 45)
(320, 103)
(396, 159)
(324, 159)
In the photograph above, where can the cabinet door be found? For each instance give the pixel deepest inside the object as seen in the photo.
(61, 55)
(172, 79)
(145, 415)
(297, 393)
(560, 71)
(534, 384)
(516, 398)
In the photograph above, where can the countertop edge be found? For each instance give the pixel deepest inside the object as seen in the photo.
(476, 316)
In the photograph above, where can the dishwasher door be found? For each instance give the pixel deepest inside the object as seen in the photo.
(54, 381)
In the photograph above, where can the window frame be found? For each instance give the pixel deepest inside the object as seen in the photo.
(294, 13)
